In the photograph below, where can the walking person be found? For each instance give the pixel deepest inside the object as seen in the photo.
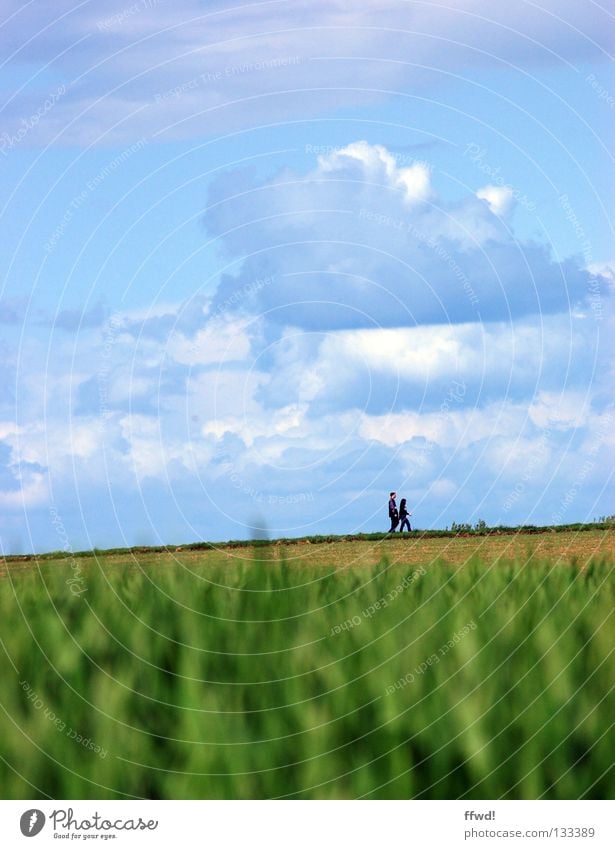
(403, 516)
(393, 514)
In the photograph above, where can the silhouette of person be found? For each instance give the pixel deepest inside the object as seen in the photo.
(403, 516)
(393, 514)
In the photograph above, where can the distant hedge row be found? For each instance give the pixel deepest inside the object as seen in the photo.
(457, 530)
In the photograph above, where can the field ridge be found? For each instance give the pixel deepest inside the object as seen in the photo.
(459, 531)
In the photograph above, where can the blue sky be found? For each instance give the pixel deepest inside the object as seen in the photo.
(264, 262)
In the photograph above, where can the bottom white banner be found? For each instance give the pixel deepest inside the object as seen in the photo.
(312, 824)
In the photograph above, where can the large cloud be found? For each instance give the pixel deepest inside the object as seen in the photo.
(364, 241)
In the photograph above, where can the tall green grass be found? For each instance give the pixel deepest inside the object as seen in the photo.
(265, 680)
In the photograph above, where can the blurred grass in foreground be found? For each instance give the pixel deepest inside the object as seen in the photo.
(264, 680)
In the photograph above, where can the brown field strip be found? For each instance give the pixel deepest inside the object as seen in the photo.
(578, 547)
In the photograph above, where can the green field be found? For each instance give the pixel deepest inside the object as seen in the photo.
(330, 673)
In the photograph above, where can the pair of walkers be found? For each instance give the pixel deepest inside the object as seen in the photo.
(396, 516)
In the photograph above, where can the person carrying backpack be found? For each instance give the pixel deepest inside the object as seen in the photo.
(393, 514)
(403, 516)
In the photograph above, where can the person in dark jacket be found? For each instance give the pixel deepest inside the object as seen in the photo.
(403, 516)
(393, 514)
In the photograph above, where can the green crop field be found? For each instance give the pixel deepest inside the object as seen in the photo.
(334, 673)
